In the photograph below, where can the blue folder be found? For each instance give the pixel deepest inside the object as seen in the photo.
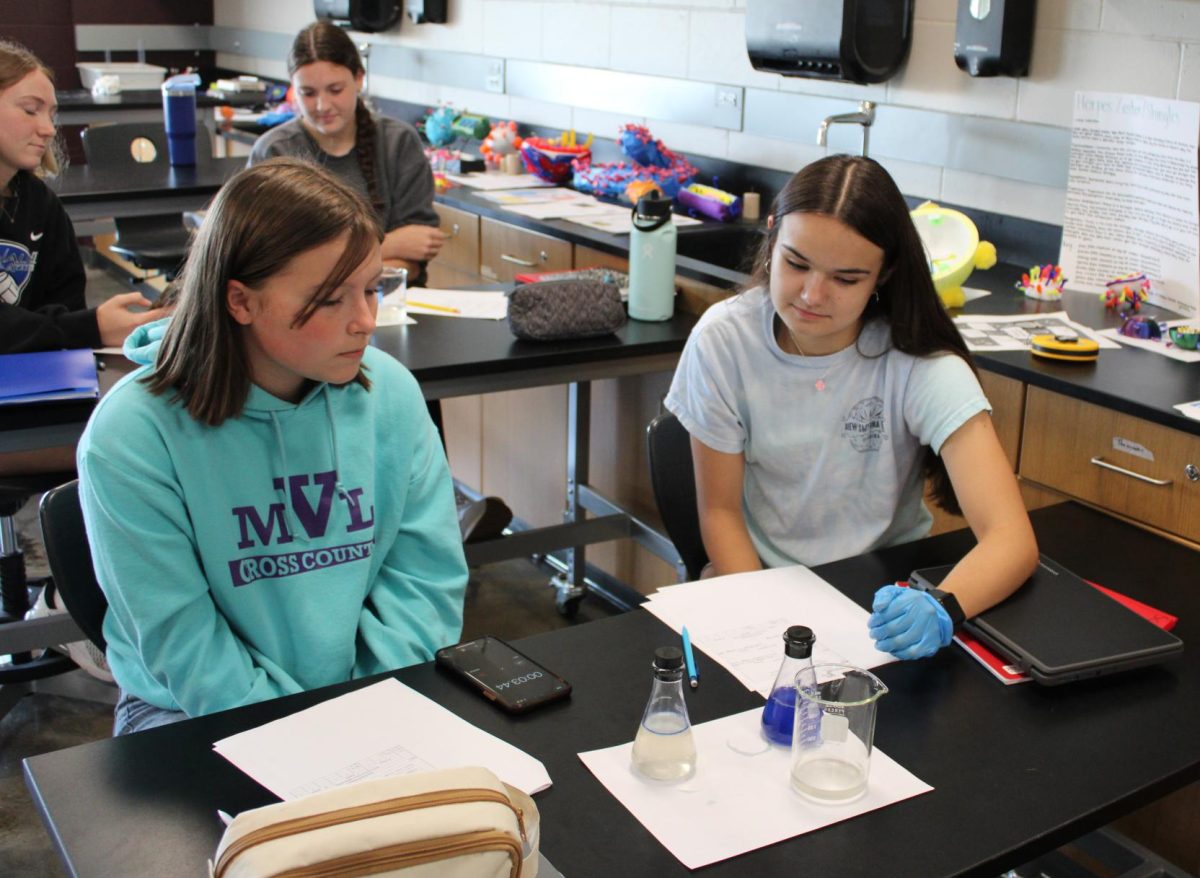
(48, 376)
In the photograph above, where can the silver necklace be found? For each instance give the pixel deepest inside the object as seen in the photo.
(819, 384)
(9, 202)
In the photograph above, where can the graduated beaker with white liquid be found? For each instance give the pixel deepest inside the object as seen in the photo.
(833, 732)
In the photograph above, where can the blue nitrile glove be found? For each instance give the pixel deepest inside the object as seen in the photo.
(908, 623)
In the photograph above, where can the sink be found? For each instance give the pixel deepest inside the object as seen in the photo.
(732, 246)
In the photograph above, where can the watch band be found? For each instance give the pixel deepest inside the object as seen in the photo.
(950, 604)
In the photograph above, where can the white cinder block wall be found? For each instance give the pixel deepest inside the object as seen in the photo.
(1149, 47)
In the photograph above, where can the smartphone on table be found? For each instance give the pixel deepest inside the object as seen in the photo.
(501, 674)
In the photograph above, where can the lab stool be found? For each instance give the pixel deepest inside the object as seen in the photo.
(14, 586)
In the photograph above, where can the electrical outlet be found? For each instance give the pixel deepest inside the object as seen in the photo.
(729, 97)
(495, 77)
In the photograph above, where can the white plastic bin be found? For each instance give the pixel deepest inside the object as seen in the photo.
(133, 75)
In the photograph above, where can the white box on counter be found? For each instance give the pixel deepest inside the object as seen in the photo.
(133, 75)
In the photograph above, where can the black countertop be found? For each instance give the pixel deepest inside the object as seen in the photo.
(1016, 770)
(1129, 380)
(145, 99)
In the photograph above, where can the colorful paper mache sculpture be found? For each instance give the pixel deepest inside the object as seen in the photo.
(552, 159)
(1127, 291)
(649, 161)
(1043, 282)
(953, 248)
(711, 202)
(502, 140)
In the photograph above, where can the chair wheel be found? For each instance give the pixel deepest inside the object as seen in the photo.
(568, 606)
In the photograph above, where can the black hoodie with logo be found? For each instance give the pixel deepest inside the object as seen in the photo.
(42, 305)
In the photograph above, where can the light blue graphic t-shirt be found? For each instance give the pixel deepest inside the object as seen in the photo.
(833, 444)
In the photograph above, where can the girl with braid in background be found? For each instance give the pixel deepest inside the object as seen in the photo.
(381, 157)
(384, 160)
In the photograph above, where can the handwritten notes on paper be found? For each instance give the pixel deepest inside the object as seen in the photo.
(1132, 196)
(739, 620)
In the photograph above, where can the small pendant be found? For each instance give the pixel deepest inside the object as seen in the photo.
(819, 384)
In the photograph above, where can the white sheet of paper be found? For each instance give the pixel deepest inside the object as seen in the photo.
(1190, 409)
(616, 219)
(494, 180)
(1132, 196)
(556, 209)
(736, 803)
(477, 304)
(1158, 347)
(1011, 332)
(381, 730)
(538, 195)
(739, 620)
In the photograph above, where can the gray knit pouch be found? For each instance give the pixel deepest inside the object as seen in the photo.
(558, 309)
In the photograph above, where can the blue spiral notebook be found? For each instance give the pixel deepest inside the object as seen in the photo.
(48, 376)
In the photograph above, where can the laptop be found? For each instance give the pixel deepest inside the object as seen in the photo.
(1057, 628)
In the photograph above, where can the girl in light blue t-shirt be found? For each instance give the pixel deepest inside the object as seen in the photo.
(821, 399)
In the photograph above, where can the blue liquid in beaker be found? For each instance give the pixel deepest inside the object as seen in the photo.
(779, 714)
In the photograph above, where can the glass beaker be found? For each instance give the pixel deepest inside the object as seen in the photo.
(393, 296)
(833, 731)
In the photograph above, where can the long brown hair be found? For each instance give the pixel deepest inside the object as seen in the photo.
(17, 62)
(858, 192)
(323, 41)
(262, 218)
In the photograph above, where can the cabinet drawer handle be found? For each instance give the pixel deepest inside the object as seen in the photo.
(517, 260)
(1100, 461)
(454, 230)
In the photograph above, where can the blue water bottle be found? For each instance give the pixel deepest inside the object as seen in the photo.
(179, 117)
(652, 259)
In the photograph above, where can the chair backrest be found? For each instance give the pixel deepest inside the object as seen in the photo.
(70, 560)
(674, 484)
(111, 145)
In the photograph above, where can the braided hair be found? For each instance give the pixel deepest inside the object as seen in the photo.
(323, 41)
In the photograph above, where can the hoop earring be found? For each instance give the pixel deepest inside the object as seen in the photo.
(877, 299)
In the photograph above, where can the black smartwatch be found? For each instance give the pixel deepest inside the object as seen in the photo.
(950, 604)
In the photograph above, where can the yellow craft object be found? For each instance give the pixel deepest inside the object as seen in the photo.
(953, 249)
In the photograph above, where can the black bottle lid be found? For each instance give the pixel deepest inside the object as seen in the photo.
(798, 641)
(654, 205)
(668, 658)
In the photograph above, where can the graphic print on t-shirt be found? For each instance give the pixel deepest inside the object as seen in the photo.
(864, 425)
(16, 267)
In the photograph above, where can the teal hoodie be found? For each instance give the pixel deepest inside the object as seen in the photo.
(294, 546)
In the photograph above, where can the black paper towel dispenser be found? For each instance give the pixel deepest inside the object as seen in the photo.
(854, 40)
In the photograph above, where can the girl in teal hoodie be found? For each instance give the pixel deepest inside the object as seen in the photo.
(267, 501)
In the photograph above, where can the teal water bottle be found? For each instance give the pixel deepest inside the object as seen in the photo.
(652, 259)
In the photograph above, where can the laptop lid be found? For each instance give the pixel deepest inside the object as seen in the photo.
(1058, 628)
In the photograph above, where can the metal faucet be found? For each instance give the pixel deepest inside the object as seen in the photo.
(864, 117)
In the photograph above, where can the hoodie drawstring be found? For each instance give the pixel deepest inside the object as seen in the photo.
(288, 515)
(333, 439)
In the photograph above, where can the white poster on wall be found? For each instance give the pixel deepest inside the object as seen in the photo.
(1133, 205)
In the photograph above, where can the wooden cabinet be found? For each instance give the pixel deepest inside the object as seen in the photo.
(1122, 464)
(506, 251)
(460, 252)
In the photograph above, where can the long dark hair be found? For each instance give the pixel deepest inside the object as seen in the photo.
(323, 41)
(858, 192)
(262, 218)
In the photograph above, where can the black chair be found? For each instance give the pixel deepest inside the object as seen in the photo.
(70, 560)
(674, 484)
(152, 243)
(14, 585)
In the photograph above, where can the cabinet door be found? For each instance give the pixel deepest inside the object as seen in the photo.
(1139, 470)
(506, 251)
(461, 249)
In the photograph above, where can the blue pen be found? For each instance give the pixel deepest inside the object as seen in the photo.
(693, 674)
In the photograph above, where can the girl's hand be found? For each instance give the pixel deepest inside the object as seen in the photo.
(116, 321)
(908, 623)
(416, 242)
